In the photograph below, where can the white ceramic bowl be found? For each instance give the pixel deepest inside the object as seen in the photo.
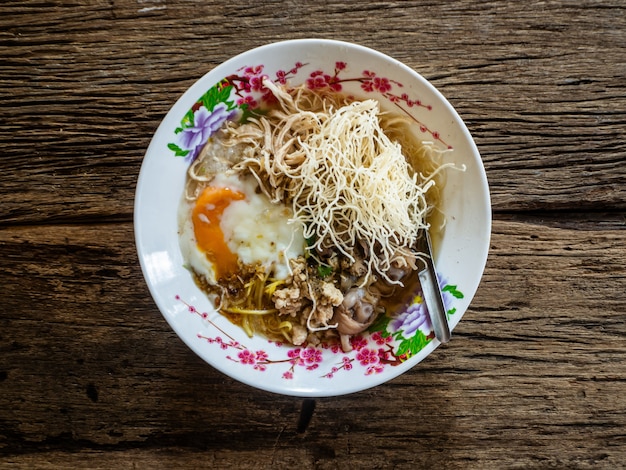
(378, 356)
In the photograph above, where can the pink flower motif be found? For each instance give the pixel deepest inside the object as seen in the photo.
(367, 356)
(334, 85)
(288, 375)
(340, 65)
(382, 84)
(316, 83)
(384, 355)
(335, 348)
(262, 356)
(246, 357)
(379, 339)
(375, 369)
(269, 97)
(318, 79)
(247, 100)
(347, 363)
(294, 355)
(260, 367)
(358, 342)
(281, 76)
(297, 66)
(255, 70)
(367, 86)
(256, 83)
(311, 355)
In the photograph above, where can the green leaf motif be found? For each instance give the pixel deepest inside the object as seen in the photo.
(403, 348)
(188, 120)
(246, 112)
(417, 342)
(220, 93)
(381, 325)
(452, 290)
(411, 346)
(178, 152)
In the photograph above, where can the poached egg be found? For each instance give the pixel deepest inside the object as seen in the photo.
(232, 222)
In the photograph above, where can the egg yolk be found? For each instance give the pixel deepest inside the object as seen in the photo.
(206, 217)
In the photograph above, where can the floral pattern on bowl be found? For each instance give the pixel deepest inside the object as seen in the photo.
(232, 91)
(234, 97)
(389, 342)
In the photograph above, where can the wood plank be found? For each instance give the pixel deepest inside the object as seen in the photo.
(84, 89)
(91, 374)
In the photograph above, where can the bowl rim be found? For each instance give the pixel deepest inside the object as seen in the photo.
(195, 90)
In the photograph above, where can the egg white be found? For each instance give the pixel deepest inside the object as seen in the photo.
(254, 229)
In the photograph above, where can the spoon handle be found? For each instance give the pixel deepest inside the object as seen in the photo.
(432, 295)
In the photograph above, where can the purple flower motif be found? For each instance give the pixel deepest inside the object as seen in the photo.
(412, 319)
(204, 126)
(416, 317)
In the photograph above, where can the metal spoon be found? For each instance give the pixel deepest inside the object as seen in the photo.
(432, 293)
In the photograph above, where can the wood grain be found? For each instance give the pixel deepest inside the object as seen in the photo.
(547, 337)
(91, 376)
(84, 88)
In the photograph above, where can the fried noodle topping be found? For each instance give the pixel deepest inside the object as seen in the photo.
(359, 188)
(349, 184)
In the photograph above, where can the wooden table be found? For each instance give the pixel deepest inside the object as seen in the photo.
(91, 376)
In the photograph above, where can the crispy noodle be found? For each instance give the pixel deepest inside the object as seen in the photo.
(358, 185)
(347, 181)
